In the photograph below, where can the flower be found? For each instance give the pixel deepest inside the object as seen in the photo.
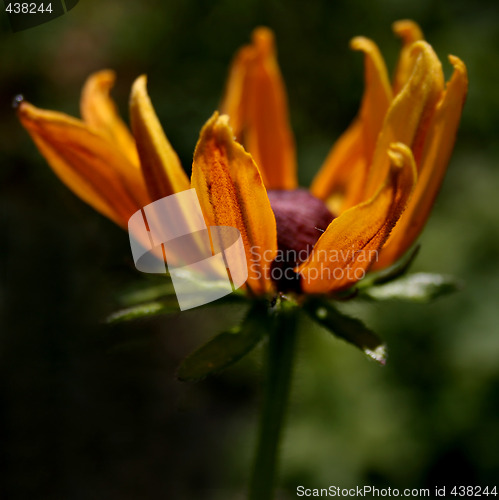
(368, 203)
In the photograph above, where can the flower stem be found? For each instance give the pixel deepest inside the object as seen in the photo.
(279, 359)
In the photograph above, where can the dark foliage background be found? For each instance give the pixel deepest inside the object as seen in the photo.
(91, 411)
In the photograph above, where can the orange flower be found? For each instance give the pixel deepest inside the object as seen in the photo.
(366, 206)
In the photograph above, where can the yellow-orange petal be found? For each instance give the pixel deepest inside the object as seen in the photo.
(232, 193)
(160, 164)
(340, 179)
(408, 117)
(409, 32)
(436, 155)
(234, 102)
(377, 94)
(88, 163)
(340, 182)
(99, 111)
(350, 244)
(256, 102)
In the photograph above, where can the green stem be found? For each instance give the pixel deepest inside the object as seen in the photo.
(280, 354)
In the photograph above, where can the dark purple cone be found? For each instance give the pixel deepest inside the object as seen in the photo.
(301, 219)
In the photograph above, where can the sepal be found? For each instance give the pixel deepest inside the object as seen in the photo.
(400, 268)
(145, 310)
(347, 328)
(417, 287)
(227, 347)
(159, 300)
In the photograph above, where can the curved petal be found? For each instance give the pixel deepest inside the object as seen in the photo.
(351, 242)
(236, 88)
(436, 155)
(409, 32)
(256, 103)
(341, 179)
(377, 95)
(408, 118)
(231, 193)
(99, 111)
(88, 163)
(160, 165)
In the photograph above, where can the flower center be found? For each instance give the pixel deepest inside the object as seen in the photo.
(301, 219)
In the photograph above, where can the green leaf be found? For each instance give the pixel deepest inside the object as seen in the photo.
(146, 291)
(227, 347)
(393, 272)
(418, 287)
(167, 306)
(350, 329)
(147, 310)
(155, 287)
(399, 268)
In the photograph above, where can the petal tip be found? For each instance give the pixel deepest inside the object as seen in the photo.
(458, 64)
(399, 153)
(361, 43)
(408, 30)
(18, 103)
(222, 119)
(218, 126)
(212, 120)
(104, 77)
(460, 76)
(138, 91)
(420, 46)
(263, 38)
(140, 82)
(401, 157)
(25, 110)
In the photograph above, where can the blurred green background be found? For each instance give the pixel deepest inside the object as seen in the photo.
(92, 411)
